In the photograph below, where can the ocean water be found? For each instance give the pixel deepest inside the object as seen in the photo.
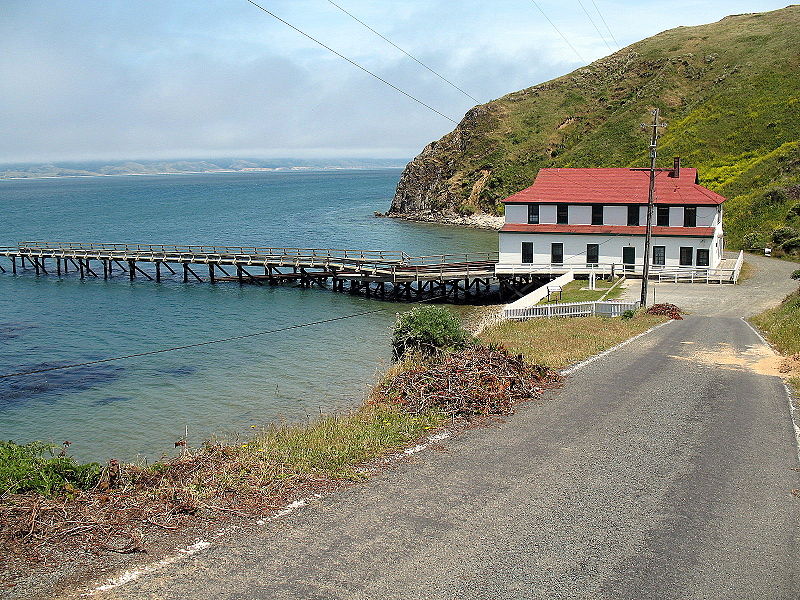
(139, 407)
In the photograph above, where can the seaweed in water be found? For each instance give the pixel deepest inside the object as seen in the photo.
(50, 383)
(11, 331)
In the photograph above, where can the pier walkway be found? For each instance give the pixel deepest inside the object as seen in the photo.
(383, 274)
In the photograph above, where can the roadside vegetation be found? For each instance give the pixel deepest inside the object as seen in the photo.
(782, 324)
(560, 342)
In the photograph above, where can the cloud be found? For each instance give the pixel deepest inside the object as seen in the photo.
(113, 79)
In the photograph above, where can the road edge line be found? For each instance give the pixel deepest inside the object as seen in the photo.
(591, 359)
(790, 394)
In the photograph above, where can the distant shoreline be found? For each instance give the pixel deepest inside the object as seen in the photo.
(209, 172)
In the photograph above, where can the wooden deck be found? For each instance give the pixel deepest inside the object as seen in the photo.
(389, 274)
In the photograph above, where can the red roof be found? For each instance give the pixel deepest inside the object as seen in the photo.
(607, 229)
(615, 186)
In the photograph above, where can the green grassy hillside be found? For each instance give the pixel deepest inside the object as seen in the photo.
(730, 92)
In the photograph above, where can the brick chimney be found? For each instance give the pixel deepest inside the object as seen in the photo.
(676, 167)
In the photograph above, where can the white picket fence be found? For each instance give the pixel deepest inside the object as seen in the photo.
(603, 308)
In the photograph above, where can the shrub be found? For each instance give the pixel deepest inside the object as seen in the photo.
(428, 330)
(628, 314)
(796, 274)
(34, 467)
(753, 240)
(791, 245)
(781, 234)
(794, 211)
(777, 196)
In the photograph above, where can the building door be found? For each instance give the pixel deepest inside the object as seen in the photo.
(527, 252)
(592, 255)
(629, 257)
(702, 257)
(557, 253)
(686, 256)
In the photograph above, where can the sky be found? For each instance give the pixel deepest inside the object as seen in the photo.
(140, 79)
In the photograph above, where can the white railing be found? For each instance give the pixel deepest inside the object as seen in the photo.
(606, 308)
(539, 293)
(737, 268)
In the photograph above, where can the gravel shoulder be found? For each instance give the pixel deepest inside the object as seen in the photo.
(770, 283)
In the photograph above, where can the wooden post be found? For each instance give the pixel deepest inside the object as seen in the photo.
(158, 270)
(239, 273)
(36, 265)
(105, 269)
(211, 273)
(131, 269)
(14, 265)
(58, 266)
(185, 272)
(80, 267)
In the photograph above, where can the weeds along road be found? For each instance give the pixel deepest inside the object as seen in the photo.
(661, 470)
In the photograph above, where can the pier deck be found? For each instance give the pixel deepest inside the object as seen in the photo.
(383, 274)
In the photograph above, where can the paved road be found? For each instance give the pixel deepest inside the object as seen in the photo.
(654, 473)
(770, 283)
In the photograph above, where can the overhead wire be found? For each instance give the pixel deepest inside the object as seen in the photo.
(616, 43)
(536, 4)
(597, 29)
(352, 62)
(187, 346)
(412, 57)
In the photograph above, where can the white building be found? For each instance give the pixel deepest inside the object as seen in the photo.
(593, 219)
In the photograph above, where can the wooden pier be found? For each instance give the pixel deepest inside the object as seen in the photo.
(389, 275)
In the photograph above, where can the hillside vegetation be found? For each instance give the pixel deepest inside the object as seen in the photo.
(730, 92)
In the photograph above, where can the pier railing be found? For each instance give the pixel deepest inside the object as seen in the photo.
(169, 250)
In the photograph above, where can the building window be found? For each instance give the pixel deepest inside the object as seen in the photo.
(662, 216)
(592, 255)
(659, 255)
(597, 214)
(686, 256)
(557, 253)
(527, 252)
(702, 257)
(633, 215)
(533, 214)
(562, 214)
(690, 216)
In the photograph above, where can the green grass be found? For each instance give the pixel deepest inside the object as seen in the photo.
(559, 342)
(574, 291)
(782, 324)
(333, 446)
(35, 467)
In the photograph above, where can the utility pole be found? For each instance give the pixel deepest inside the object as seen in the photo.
(650, 202)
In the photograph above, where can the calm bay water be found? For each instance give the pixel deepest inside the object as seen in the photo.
(139, 407)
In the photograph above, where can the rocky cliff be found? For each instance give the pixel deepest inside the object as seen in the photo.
(729, 91)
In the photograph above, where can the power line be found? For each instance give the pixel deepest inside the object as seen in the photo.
(591, 20)
(187, 346)
(557, 30)
(354, 63)
(606, 24)
(383, 37)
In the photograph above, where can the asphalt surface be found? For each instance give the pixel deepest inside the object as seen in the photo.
(662, 470)
(770, 283)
